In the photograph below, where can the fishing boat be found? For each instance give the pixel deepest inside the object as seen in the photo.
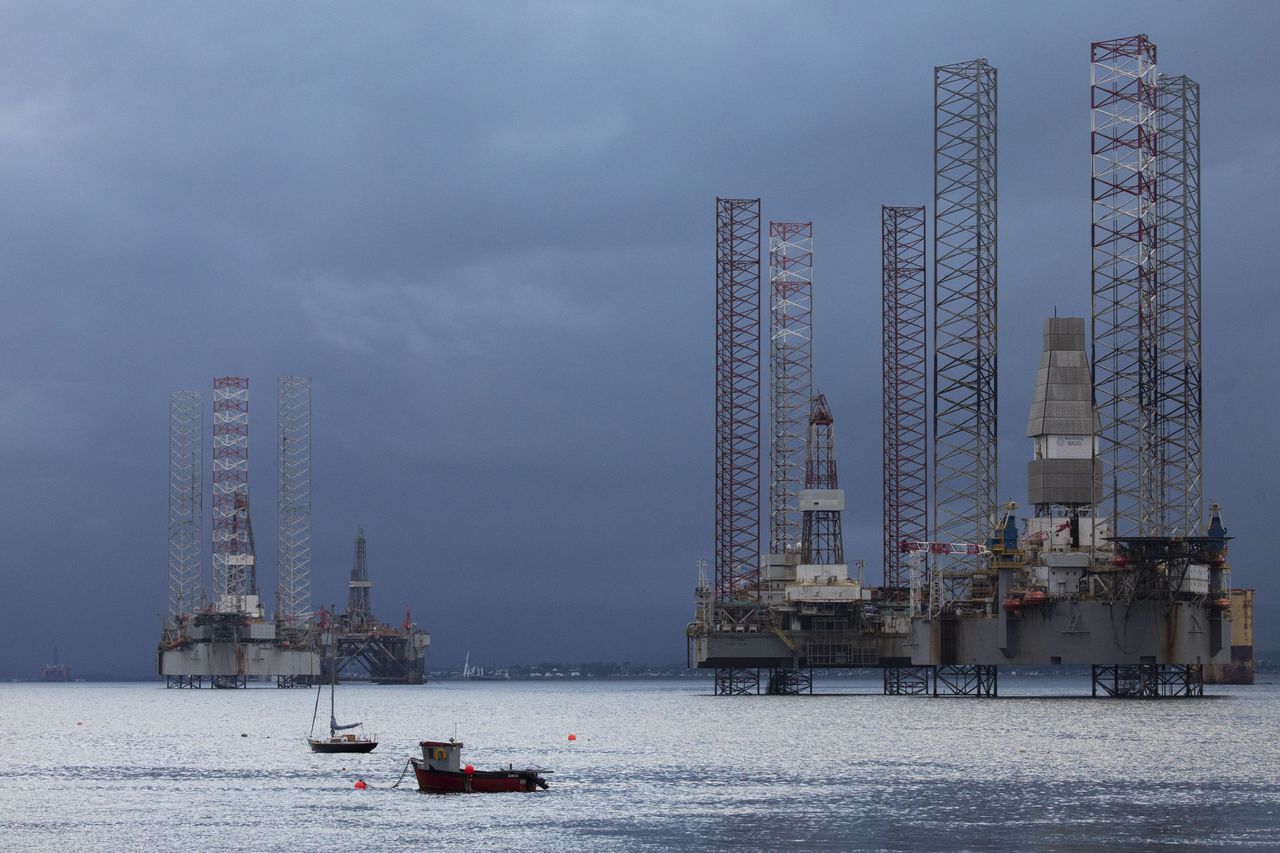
(335, 742)
(440, 771)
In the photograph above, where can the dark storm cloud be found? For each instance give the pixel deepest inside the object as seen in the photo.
(485, 230)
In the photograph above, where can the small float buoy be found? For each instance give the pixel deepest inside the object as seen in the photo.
(360, 785)
(468, 770)
(79, 722)
(573, 737)
(242, 734)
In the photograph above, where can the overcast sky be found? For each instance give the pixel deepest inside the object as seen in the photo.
(486, 231)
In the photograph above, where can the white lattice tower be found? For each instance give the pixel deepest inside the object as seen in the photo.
(1125, 305)
(186, 502)
(790, 372)
(293, 501)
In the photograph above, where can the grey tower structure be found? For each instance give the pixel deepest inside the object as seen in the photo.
(1063, 478)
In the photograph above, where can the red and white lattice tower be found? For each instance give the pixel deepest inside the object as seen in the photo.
(737, 406)
(906, 406)
(791, 375)
(1125, 304)
(232, 551)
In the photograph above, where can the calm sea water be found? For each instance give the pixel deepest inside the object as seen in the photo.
(656, 766)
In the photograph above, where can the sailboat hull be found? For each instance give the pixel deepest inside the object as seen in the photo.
(340, 744)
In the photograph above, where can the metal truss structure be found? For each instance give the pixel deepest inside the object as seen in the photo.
(790, 373)
(1156, 567)
(737, 406)
(1126, 333)
(966, 679)
(906, 405)
(186, 503)
(907, 680)
(1148, 680)
(737, 681)
(964, 336)
(293, 503)
(822, 536)
(232, 551)
(358, 611)
(789, 681)
(1178, 404)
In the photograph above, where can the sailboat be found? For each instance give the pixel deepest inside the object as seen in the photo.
(336, 742)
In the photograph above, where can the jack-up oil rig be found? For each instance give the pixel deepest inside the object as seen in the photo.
(229, 638)
(1116, 567)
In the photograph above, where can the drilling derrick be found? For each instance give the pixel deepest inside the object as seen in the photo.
(906, 408)
(186, 507)
(1125, 305)
(823, 537)
(293, 506)
(358, 587)
(1178, 404)
(964, 341)
(790, 371)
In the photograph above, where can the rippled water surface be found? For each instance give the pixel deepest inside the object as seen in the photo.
(656, 766)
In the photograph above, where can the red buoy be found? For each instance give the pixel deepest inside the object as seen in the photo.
(360, 785)
(468, 770)
(573, 737)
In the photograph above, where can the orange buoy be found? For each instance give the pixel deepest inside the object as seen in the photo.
(573, 737)
(468, 770)
(360, 785)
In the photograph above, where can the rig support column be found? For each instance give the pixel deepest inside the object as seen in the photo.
(293, 508)
(964, 335)
(1125, 328)
(907, 680)
(737, 681)
(790, 372)
(737, 409)
(1180, 421)
(186, 505)
(966, 679)
(906, 406)
(1148, 680)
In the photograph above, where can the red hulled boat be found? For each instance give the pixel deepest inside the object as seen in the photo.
(440, 771)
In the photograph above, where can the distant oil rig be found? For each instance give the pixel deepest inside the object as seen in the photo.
(229, 638)
(56, 671)
(1116, 568)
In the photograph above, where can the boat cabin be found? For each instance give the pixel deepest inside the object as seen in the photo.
(442, 755)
